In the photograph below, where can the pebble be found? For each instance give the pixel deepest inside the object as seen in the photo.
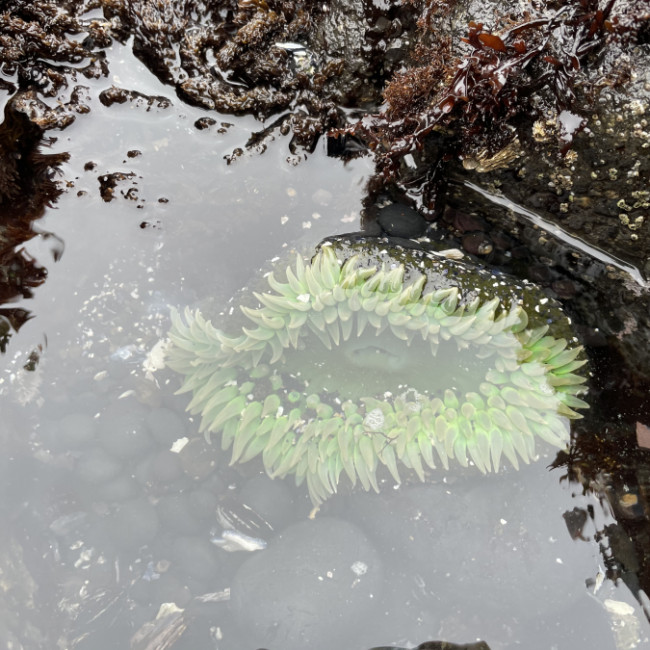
(97, 466)
(195, 556)
(165, 426)
(398, 220)
(124, 435)
(306, 589)
(175, 513)
(134, 524)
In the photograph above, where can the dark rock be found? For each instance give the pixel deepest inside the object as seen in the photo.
(114, 95)
(204, 123)
(399, 220)
(310, 588)
(477, 243)
(199, 459)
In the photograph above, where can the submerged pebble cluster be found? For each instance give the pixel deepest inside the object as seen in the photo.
(348, 366)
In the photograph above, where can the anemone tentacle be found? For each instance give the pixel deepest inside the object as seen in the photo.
(281, 387)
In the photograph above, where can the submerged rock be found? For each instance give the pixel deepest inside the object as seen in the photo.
(493, 537)
(310, 588)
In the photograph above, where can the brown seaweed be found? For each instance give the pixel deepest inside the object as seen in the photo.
(508, 75)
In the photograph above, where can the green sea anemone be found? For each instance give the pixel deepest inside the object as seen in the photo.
(375, 355)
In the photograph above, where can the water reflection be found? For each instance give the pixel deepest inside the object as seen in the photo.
(26, 189)
(112, 520)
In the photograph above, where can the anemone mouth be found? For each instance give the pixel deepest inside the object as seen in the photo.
(288, 388)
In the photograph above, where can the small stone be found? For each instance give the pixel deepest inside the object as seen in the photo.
(124, 435)
(306, 589)
(175, 513)
(97, 466)
(165, 426)
(134, 524)
(399, 220)
(197, 557)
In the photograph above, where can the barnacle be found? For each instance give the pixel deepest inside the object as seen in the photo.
(373, 356)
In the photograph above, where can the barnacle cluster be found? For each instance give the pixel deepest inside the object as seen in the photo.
(370, 356)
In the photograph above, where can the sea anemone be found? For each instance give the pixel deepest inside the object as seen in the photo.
(376, 355)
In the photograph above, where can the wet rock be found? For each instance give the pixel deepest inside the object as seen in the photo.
(309, 588)
(564, 289)
(204, 123)
(399, 220)
(109, 182)
(199, 459)
(261, 58)
(115, 95)
(477, 243)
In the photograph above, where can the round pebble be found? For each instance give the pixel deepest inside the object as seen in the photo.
(494, 551)
(203, 504)
(310, 587)
(165, 467)
(134, 524)
(96, 466)
(477, 243)
(121, 488)
(399, 220)
(124, 435)
(165, 426)
(199, 459)
(196, 557)
(271, 499)
(175, 514)
(76, 430)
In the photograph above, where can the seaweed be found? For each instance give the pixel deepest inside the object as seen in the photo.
(477, 104)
